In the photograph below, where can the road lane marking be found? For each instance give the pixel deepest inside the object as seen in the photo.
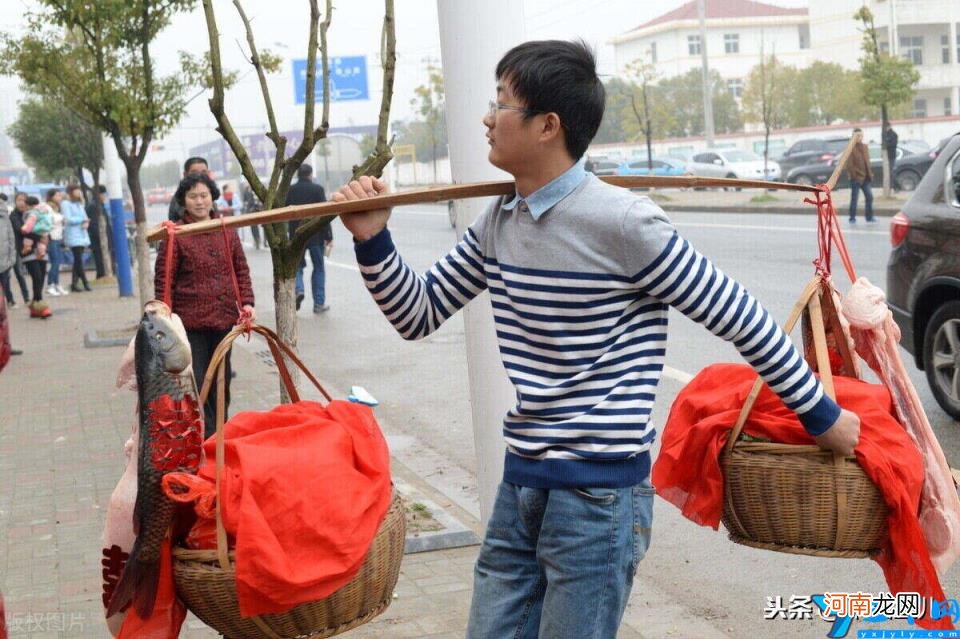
(349, 267)
(677, 375)
(751, 227)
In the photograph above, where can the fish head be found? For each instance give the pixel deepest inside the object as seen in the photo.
(159, 341)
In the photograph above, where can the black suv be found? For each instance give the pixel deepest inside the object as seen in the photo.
(910, 169)
(812, 151)
(923, 276)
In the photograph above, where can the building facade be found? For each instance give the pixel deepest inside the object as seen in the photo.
(738, 33)
(927, 32)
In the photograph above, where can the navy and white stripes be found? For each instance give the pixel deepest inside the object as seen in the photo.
(585, 347)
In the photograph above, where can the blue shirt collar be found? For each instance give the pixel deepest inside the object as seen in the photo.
(547, 196)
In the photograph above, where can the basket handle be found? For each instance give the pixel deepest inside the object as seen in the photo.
(809, 293)
(217, 369)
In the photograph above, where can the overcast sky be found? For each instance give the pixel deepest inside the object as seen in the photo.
(281, 25)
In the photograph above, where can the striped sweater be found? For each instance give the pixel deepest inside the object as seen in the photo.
(580, 300)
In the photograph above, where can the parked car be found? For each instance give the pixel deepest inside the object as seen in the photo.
(732, 163)
(914, 146)
(603, 166)
(910, 170)
(811, 151)
(818, 172)
(661, 167)
(923, 276)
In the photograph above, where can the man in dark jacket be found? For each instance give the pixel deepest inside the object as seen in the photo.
(96, 218)
(306, 191)
(858, 168)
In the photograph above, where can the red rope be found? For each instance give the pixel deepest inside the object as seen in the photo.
(168, 264)
(244, 318)
(829, 234)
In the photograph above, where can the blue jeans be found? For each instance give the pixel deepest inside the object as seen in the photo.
(855, 188)
(55, 248)
(559, 563)
(317, 278)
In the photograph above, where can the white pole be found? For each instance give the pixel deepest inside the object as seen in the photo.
(473, 38)
(705, 73)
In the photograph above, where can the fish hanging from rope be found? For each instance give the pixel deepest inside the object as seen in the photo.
(170, 440)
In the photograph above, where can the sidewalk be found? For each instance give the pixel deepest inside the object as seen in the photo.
(60, 460)
(720, 201)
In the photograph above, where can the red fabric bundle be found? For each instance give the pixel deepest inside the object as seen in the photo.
(687, 472)
(305, 488)
(168, 611)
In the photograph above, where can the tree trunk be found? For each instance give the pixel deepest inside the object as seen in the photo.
(285, 303)
(144, 272)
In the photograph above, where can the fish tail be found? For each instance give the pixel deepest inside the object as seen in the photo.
(138, 585)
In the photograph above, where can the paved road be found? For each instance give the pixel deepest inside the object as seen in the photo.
(423, 390)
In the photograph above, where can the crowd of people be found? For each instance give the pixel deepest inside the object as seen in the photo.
(41, 234)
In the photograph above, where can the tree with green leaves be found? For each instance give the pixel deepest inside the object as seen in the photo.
(641, 73)
(429, 103)
(769, 97)
(56, 143)
(680, 101)
(834, 94)
(94, 58)
(886, 81)
(286, 249)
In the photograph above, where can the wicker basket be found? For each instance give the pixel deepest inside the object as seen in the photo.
(801, 499)
(206, 578)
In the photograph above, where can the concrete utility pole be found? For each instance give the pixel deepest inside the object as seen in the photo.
(707, 92)
(118, 225)
(892, 30)
(473, 38)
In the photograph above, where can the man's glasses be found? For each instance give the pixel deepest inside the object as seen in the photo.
(496, 106)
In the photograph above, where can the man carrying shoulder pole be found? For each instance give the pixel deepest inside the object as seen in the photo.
(580, 275)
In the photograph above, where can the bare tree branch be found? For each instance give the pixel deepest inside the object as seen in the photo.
(382, 155)
(217, 109)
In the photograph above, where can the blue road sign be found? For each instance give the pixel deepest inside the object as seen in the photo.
(348, 79)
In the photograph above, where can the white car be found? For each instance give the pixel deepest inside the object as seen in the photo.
(733, 163)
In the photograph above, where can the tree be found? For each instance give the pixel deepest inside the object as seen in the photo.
(678, 104)
(769, 98)
(431, 143)
(834, 94)
(286, 251)
(429, 103)
(642, 73)
(94, 57)
(887, 82)
(618, 124)
(55, 142)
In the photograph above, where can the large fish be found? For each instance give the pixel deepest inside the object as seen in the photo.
(170, 440)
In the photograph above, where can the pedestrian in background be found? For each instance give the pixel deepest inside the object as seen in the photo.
(890, 140)
(95, 214)
(306, 191)
(192, 165)
(251, 204)
(861, 176)
(76, 236)
(8, 254)
(53, 203)
(16, 220)
(202, 285)
(35, 234)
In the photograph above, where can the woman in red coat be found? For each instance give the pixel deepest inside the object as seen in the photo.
(202, 287)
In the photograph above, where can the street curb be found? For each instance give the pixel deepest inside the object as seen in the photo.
(764, 209)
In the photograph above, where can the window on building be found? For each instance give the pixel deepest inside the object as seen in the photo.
(693, 44)
(884, 47)
(919, 108)
(947, 106)
(945, 49)
(731, 42)
(958, 42)
(736, 87)
(804, 32)
(911, 48)
(653, 52)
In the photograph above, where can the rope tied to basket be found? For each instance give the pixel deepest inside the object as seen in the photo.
(829, 234)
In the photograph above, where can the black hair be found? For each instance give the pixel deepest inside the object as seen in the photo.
(32, 200)
(101, 189)
(304, 171)
(51, 193)
(3, 196)
(191, 181)
(556, 76)
(195, 160)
